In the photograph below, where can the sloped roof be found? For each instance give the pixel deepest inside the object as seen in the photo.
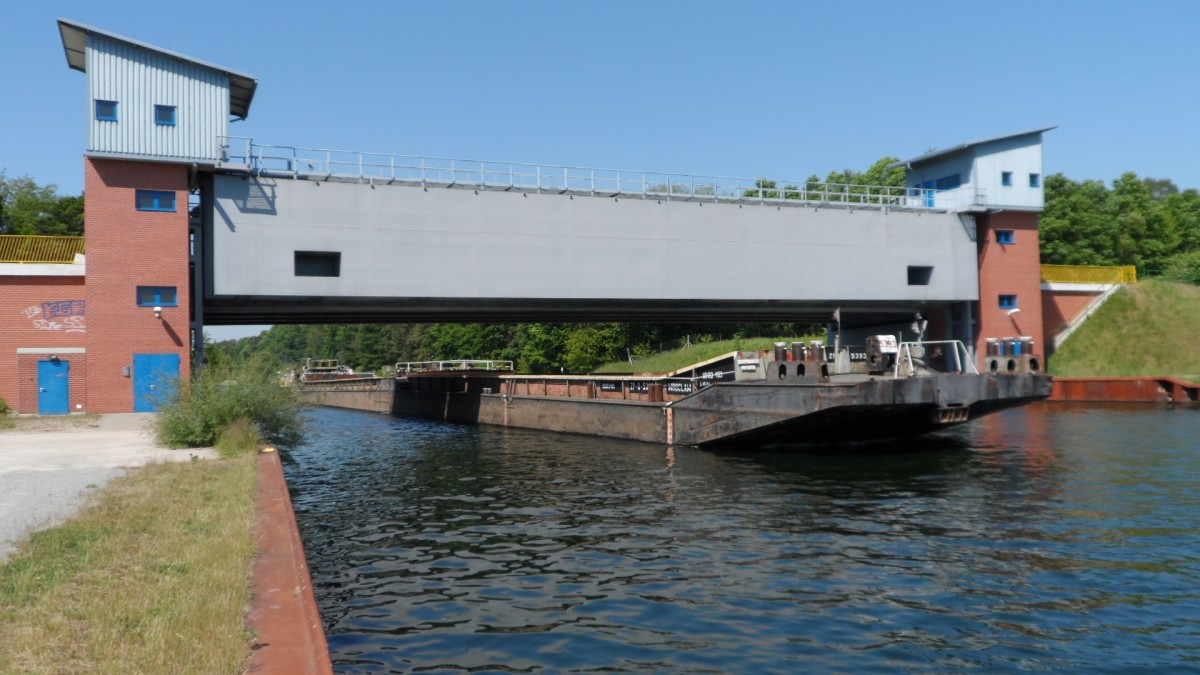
(966, 146)
(74, 40)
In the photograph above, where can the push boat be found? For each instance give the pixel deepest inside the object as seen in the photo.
(798, 394)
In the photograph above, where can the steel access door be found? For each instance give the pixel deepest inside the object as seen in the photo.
(54, 387)
(154, 379)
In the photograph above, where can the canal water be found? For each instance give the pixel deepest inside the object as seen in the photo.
(1051, 538)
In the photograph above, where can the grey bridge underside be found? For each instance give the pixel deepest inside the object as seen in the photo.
(411, 254)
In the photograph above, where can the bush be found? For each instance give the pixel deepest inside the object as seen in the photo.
(219, 395)
(1183, 267)
(4, 409)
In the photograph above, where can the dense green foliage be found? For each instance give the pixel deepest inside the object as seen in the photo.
(534, 347)
(1142, 222)
(29, 208)
(221, 394)
(1184, 267)
(1148, 328)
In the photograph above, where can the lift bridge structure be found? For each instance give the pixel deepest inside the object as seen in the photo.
(296, 235)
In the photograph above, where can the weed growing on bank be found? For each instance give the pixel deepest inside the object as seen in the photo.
(239, 438)
(243, 399)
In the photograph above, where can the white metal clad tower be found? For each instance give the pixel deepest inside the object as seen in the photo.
(149, 103)
(1000, 172)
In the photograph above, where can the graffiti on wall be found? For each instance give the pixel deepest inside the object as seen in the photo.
(68, 316)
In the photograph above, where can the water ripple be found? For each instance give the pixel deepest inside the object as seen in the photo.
(1047, 538)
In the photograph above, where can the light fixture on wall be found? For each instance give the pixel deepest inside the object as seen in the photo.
(158, 312)
(1012, 316)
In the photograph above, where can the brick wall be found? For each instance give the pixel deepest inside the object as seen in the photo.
(1010, 269)
(127, 248)
(1059, 308)
(43, 313)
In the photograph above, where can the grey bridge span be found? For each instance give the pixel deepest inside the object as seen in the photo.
(293, 236)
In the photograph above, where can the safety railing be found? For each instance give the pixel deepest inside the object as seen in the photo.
(325, 164)
(913, 357)
(19, 248)
(1089, 274)
(406, 367)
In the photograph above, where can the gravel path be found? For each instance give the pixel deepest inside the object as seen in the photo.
(50, 468)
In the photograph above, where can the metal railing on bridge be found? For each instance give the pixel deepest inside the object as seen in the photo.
(20, 248)
(325, 164)
(1089, 274)
(403, 368)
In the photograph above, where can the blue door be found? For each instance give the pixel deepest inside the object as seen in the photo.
(54, 390)
(927, 190)
(155, 377)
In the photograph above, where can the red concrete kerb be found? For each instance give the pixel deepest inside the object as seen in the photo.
(289, 635)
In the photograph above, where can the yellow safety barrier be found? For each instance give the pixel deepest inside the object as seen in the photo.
(20, 248)
(1089, 274)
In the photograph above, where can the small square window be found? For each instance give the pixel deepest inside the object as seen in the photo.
(1008, 302)
(106, 111)
(155, 200)
(1035, 180)
(919, 275)
(1006, 237)
(157, 296)
(1006, 178)
(318, 263)
(164, 115)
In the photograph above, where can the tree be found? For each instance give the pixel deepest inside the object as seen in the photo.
(1145, 236)
(1075, 227)
(1160, 188)
(28, 208)
(1183, 209)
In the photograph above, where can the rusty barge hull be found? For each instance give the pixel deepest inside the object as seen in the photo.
(733, 413)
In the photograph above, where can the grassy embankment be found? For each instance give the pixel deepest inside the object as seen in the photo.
(665, 362)
(1148, 328)
(154, 577)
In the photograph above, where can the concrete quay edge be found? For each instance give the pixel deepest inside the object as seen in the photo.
(289, 635)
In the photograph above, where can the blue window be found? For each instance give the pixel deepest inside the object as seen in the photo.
(106, 111)
(1006, 237)
(1006, 178)
(1008, 302)
(157, 296)
(1035, 180)
(155, 200)
(164, 115)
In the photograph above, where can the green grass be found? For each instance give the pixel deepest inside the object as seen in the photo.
(154, 578)
(1149, 328)
(665, 362)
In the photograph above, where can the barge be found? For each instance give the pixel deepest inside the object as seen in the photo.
(802, 394)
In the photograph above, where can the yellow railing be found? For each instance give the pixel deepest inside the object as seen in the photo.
(20, 248)
(1089, 274)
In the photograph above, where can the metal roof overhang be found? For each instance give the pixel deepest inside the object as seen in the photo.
(74, 40)
(964, 147)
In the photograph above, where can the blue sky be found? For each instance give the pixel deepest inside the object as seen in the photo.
(776, 89)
